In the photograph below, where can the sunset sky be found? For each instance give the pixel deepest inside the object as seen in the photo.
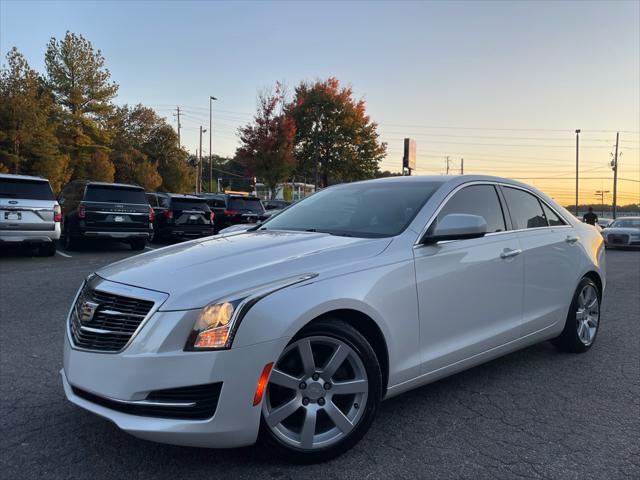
(502, 84)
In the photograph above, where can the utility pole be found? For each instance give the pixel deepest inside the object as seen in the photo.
(577, 149)
(614, 165)
(316, 148)
(601, 194)
(179, 125)
(197, 170)
(448, 163)
(462, 166)
(211, 99)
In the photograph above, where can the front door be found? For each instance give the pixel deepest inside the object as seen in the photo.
(470, 292)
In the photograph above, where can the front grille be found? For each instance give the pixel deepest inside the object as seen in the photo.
(205, 398)
(618, 238)
(114, 320)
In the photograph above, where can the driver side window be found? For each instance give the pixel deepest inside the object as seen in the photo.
(481, 200)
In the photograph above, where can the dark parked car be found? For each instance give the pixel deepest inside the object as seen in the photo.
(232, 209)
(105, 210)
(180, 216)
(275, 204)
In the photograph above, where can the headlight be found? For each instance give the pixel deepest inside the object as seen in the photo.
(214, 327)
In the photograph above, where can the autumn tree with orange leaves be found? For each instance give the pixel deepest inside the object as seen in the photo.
(266, 143)
(333, 129)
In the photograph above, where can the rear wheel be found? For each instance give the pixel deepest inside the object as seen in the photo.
(47, 249)
(322, 395)
(138, 243)
(70, 242)
(583, 320)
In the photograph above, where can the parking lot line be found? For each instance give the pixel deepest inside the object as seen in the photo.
(63, 254)
(150, 248)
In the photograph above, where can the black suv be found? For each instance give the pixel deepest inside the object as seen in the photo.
(275, 204)
(233, 209)
(105, 210)
(180, 216)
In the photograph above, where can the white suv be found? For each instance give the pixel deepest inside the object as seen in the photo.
(29, 213)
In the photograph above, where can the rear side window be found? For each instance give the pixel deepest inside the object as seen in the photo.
(481, 200)
(525, 209)
(103, 193)
(553, 219)
(188, 204)
(28, 189)
(246, 204)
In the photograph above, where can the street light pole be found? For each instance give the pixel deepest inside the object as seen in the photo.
(211, 99)
(577, 149)
(199, 189)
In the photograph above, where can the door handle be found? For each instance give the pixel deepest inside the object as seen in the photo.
(571, 239)
(508, 253)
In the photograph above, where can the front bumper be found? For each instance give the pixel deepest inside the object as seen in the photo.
(154, 361)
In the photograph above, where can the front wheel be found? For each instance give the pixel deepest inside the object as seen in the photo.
(583, 320)
(322, 395)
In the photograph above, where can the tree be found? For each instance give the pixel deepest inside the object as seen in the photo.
(267, 142)
(334, 132)
(80, 84)
(133, 130)
(162, 146)
(28, 117)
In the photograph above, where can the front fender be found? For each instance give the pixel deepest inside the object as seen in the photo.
(386, 294)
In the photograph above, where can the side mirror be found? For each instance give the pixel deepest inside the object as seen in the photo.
(457, 226)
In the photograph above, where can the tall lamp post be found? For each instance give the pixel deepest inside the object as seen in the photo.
(211, 99)
(577, 149)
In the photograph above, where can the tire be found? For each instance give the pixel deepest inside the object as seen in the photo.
(47, 249)
(138, 243)
(70, 242)
(328, 339)
(582, 324)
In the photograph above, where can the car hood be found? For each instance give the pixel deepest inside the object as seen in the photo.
(622, 230)
(200, 271)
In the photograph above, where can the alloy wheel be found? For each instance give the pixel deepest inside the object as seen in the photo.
(316, 394)
(587, 314)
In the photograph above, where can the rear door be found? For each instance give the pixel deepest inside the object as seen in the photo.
(116, 208)
(26, 205)
(551, 258)
(191, 215)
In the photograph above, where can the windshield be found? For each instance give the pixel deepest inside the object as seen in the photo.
(189, 204)
(626, 223)
(27, 189)
(357, 209)
(99, 193)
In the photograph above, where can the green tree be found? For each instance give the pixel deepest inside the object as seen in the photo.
(133, 130)
(266, 143)
(171, 160)
(331, 124)
(79, 81)
(28, 117)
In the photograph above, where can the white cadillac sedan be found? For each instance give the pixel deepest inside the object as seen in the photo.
(294, 331)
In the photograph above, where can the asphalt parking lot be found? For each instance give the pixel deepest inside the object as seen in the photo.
(536, 413)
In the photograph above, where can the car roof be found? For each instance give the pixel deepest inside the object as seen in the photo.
(23, 177)
(181, 195)
(110, 184)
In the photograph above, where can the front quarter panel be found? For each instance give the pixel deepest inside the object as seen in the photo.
(386, 293)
